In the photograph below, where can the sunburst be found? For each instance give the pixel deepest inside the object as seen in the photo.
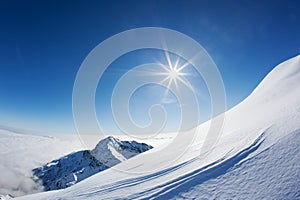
(173, 72)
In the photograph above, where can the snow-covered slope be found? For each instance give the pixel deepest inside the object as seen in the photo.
(77, 166)
(256, 157)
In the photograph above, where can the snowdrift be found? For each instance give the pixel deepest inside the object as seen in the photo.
(256, 157)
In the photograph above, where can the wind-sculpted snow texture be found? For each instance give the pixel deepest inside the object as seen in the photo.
(70, 169)
(256, 157)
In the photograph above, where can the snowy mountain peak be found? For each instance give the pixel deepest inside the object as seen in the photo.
(74, 167)
(109, 141)
(111, 151)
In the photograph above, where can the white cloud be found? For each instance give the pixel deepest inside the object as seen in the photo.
(20, 153)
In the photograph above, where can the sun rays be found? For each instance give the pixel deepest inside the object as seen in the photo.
(173, 72)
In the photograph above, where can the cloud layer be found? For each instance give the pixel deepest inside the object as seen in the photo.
(20, 153)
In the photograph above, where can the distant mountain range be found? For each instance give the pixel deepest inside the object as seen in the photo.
(75, 167)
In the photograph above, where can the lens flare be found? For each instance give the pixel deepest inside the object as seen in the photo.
(173, 72)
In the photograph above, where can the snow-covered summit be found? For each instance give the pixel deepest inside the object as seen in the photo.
(111, 151)
(74, 167)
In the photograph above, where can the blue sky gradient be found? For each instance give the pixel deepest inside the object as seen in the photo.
(43, 43)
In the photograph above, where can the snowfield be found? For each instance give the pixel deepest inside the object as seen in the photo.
(256, 157)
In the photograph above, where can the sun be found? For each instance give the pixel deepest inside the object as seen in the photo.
(173, 72)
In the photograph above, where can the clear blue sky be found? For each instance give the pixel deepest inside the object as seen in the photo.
(43, 43)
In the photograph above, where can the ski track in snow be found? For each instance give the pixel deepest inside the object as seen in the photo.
(209, 171)
(199, 176)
